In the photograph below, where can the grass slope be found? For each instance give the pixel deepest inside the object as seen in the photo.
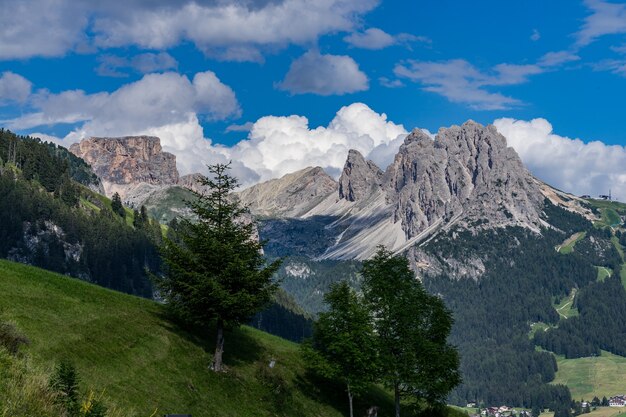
(593, 376)
(610, 212)
(566, 307)
(123, 345)
(568, 245)
(603, 273)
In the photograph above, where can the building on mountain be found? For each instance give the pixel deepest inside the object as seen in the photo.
(617, 401)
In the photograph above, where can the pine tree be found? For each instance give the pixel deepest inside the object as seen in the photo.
(64, 383)
(343, 345)
(412, 327)
(215, 271)
(117, 207)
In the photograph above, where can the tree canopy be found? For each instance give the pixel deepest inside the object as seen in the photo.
(412, 327)
(215, 270)
(344, 344)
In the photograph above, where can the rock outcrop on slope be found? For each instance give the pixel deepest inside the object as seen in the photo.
(292, 195)
(123, 163)
(467, 173)
(359, 177)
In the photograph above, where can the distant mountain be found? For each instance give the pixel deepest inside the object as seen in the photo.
(137, 168)
(466, 177)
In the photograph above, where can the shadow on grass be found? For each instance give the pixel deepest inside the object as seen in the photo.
(239, 348)
(334, 394)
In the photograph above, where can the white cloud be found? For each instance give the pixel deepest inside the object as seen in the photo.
(389, 83)
(14, 88)
(115, 66)
(568, 164)
(168, 104)
(615, 66)
(246, 127)
(535, 36)
(153, 100)
(276, 145)
(621, 49)
(324, 75)
(461, 82)
(553, 59)
(374, 38)
(279, 145)
(232, 30)
(40, 27)
(605, 19)
(458, 81)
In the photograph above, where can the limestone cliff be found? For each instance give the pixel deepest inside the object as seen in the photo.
(359, 177)
(467, 173)
(124, 162)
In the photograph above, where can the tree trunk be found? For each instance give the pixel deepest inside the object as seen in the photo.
(350, 401)
(396, 389)
(219, 347)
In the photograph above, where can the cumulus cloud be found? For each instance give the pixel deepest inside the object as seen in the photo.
(14, 88)
(41, 27)
(568, 164)
(234, 30)
(116, 66)
(324, 75)
(167, 103)
(275, 146)
(461, 82)
(605, 19)
(279, 145)
(374, 38)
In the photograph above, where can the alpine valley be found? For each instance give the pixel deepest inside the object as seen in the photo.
(535, 277)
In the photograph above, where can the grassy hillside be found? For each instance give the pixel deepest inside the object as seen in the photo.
(599, 376)
(123, 345)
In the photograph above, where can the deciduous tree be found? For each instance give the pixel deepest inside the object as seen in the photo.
(412, 327)
(344, 344)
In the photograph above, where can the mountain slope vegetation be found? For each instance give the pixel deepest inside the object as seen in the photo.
(123, 345)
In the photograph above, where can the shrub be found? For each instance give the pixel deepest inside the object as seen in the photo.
(11, 339)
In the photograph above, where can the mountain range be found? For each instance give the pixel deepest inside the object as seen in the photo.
(477, 227)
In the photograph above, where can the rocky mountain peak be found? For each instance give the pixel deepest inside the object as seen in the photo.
(358, 177)
(290, 195)
(467, 173)
(123, 162)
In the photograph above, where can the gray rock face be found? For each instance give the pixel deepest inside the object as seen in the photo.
(191, 181)
(466, 174)
(128, 160)
(291, 195)
(359, 177)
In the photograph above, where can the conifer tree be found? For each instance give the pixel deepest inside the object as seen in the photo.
(215, 271)
(116, 205)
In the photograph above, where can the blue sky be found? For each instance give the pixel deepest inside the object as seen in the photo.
(202, 74)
